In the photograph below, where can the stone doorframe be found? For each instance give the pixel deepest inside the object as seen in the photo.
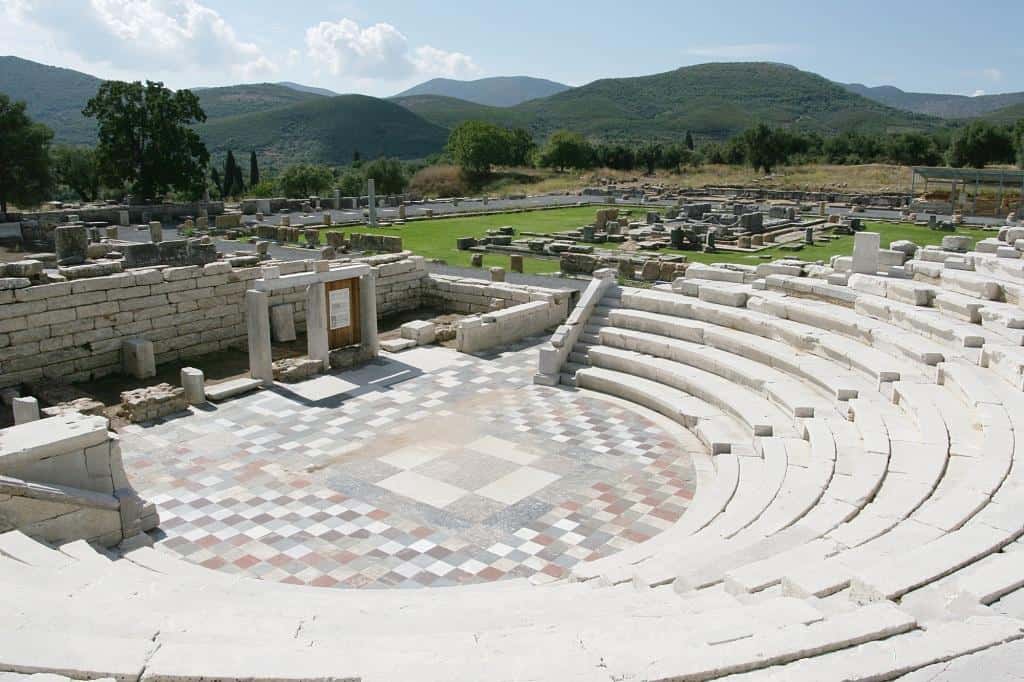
(257, 309)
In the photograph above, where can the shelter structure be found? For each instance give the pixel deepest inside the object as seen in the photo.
(967, 185)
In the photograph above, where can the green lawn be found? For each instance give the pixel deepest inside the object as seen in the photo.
(436, 238)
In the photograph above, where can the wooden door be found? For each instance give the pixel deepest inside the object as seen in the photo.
(343, 313)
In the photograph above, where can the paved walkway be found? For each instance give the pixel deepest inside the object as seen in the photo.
(429, 467)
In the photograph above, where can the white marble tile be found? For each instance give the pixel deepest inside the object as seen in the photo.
(422, 488)
(411, 457)
(501, 448)
(521, 483)
(322, 387)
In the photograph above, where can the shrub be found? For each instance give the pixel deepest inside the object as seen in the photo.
(439, 181)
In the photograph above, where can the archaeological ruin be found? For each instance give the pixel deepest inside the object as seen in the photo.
(269, 442)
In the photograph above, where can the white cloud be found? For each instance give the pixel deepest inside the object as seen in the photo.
(434, 62)
(380, 51)
(992, 74)
(150, 35)
(742, 51)
(977, 93)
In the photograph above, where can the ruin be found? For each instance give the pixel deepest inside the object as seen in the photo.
(783, 470)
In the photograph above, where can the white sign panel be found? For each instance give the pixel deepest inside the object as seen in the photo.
(341, 308)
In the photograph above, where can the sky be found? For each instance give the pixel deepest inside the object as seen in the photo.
(382, 47)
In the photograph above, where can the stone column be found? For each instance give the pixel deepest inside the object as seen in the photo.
(156, 232)
(865, 252)
(371, 201)
(25, 410)
(368, 312)
(194, 383)
(317, 346)
(257, 320)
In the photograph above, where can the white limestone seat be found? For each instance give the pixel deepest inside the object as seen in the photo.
(889, 658)
(796, 398)
(760, 416)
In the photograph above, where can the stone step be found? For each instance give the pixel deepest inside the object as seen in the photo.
(231, 388)
(763, 418)
(890, 658)
(19, 546)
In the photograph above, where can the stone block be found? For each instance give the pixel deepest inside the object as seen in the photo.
(25, 409)
(282, 322)
(138, 359)
(865, 253)
(72, 243)
(421, 331)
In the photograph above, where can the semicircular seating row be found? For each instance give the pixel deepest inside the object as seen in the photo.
(860, 521)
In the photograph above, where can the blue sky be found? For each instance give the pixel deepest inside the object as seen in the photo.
(381, 47)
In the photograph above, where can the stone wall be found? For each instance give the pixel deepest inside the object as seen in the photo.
(474, 296)
(74, 331)
(112, 214)
(62, 479)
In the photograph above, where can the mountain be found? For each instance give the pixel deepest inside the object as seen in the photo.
(54, 96)
(326, 130)
(714, 101)
(308, 88)
(1007, 115)
(943, 106)
(448, 112)
(235, 100)
(505, 91)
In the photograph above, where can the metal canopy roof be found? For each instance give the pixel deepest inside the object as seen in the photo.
(986, 175)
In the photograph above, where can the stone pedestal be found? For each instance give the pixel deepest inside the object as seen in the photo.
(865, 252)
(25, 410)
(477, 260)
(282, 323)
(497, 274)
(515, 263)
(156, 232)
(194, 383)
(72, 243)
(138, 359)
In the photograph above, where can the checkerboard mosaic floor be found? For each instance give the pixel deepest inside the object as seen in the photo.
(428, 468)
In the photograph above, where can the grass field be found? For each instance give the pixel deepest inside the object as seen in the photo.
(436, 238)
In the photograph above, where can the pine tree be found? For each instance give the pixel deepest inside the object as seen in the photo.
(254, 170)
(234, 184)
(217, 181)
(689, 141)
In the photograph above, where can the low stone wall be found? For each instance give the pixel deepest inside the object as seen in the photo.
(142, 213)
(383, 243)
(474, 296)
(503, 327)
(62, 479)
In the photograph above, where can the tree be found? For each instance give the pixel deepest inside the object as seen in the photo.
(650, 155)
(305, 180)
(388, 175)
(763, 147)
(77, 169)
(476, 146)
(234, 183)
(218, 182)
(24, 156)
(146, 139)
(519, 147)
(254, 169)
(981, 143)
(689, 141)
(566, 149)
